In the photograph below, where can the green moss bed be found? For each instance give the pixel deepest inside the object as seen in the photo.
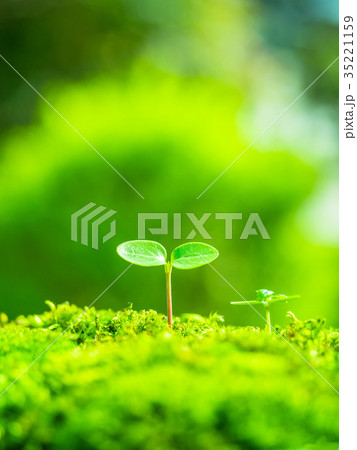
(124, 380)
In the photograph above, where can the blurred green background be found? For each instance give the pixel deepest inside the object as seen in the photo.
(170, 92)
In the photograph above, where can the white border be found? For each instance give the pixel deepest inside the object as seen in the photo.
(348, 250)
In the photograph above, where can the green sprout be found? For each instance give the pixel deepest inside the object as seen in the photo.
(267, 298)
(151, 253)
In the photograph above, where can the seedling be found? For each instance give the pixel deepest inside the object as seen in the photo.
(151, 253)
(267, 298)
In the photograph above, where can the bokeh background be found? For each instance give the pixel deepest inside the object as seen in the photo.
(169, 92)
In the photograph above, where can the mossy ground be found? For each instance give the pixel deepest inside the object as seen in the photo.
(124, 380)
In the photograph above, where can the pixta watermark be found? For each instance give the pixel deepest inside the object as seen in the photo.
(87, 221)
(253, 225)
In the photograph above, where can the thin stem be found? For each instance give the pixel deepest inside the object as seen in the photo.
(168, 270)
(267, 316)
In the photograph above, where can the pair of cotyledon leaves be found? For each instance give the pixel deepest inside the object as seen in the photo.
(151, 253)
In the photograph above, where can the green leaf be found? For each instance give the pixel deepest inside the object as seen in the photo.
(143, 253)
(282, 298)
(266, 298)
(263, 294)
(193, 254)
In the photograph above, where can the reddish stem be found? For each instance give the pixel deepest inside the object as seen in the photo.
(168, 269)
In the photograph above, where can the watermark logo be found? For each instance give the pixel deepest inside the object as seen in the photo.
(85, 224)
(81, 223)
(253, 225)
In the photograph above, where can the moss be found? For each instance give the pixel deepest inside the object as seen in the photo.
(125, 380)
